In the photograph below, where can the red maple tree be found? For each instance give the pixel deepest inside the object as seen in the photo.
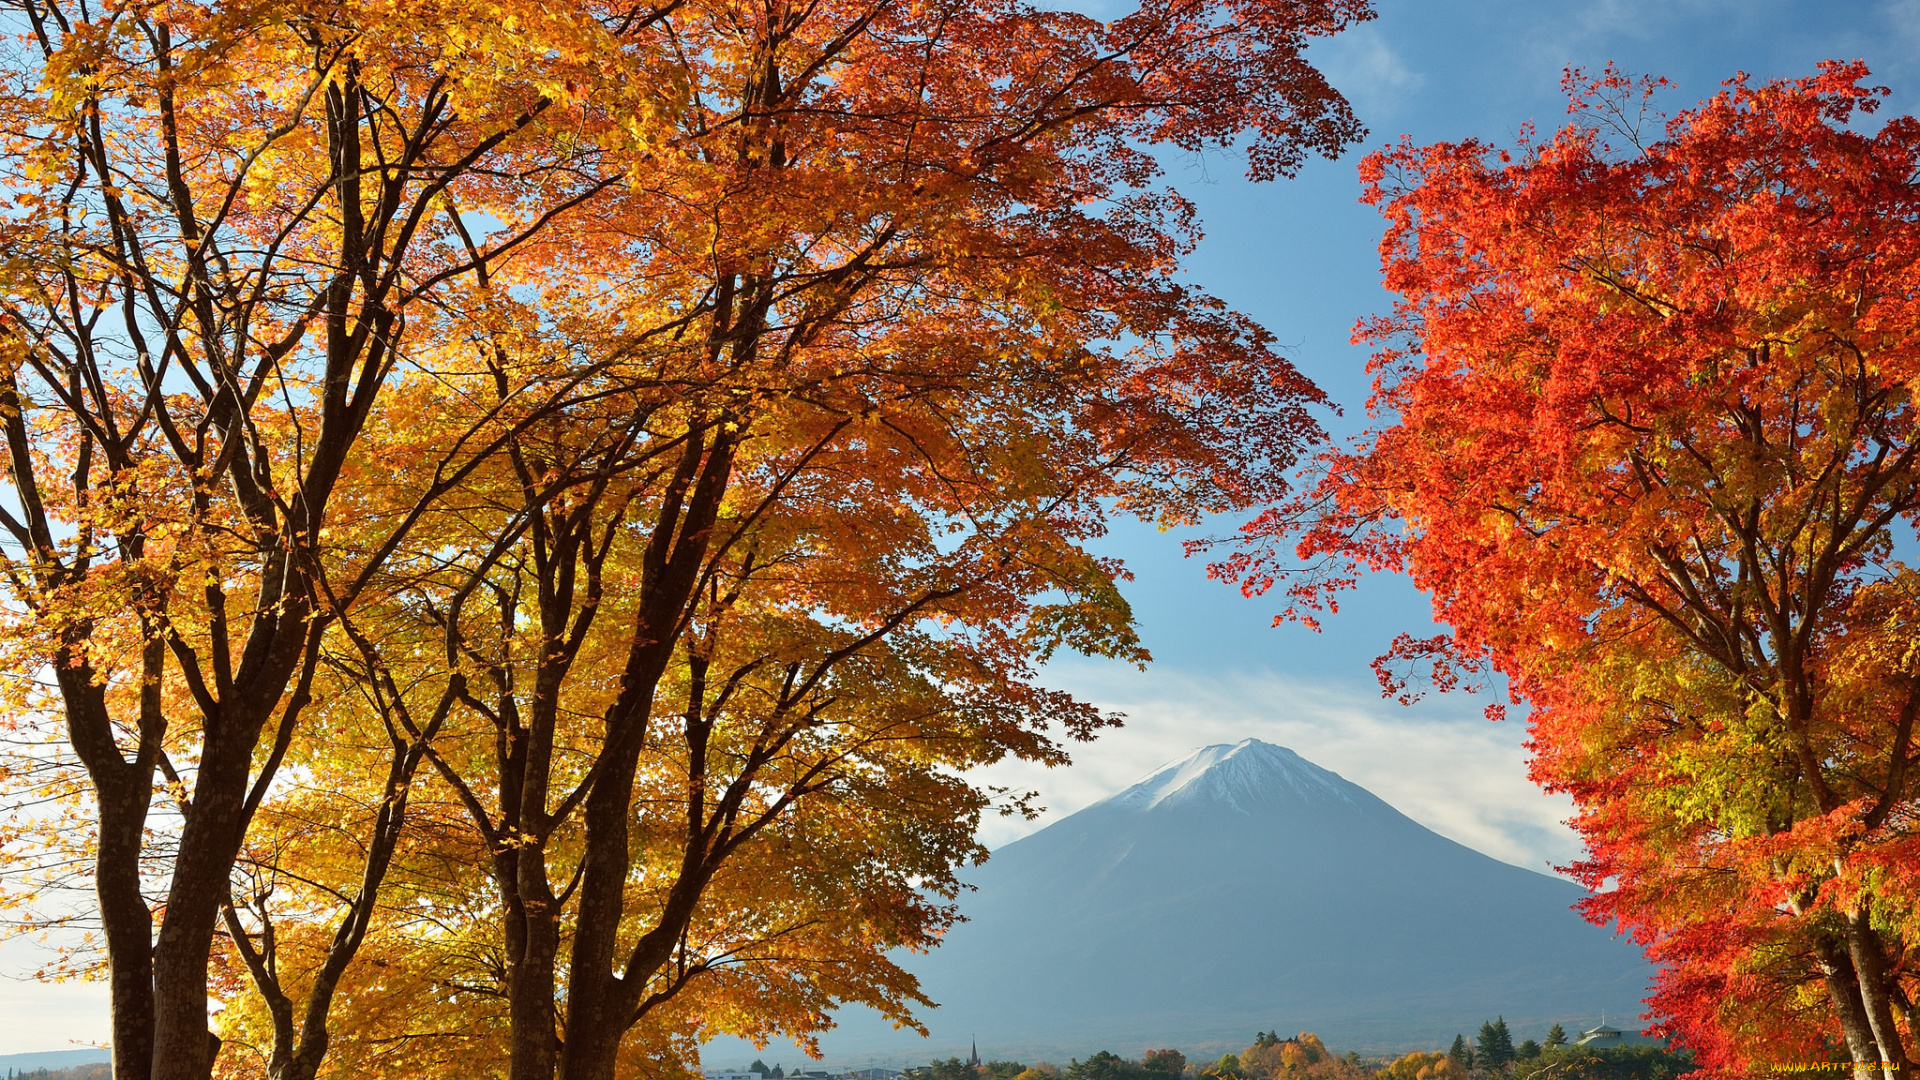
(1647, 438)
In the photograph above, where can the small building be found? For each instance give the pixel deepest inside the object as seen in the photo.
(1604, 1036)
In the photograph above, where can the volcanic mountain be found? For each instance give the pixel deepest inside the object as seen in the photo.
(1243, 889)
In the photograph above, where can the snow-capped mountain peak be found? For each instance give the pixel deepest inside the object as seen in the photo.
(1244, 887)
(1241, 775)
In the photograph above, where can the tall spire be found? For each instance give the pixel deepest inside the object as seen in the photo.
(973, 1059)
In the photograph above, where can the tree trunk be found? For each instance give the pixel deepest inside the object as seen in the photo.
(600, 1003)
(1843, 988)
(1869, 957)
(126, 921)
(593, 1042)
(530, 1004)
(124, 791)
(183, 1047)
(595, 1023)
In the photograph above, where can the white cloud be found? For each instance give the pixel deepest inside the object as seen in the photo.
(1440, 762)
(1903, 16)
(1364, 66)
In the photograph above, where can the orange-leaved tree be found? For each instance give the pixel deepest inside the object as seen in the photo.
(880, 333)
(1429, 1065)
(1301, 1056)
(1648, 439)
(227, 232)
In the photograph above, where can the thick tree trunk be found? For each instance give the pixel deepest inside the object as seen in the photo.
(1843, 989)
(530, 990)
(593, 1042)
(127, 922)
(595, 1020)
(183, 1047)
(1869, 957)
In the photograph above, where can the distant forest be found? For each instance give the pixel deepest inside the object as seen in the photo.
(96, 1070)
(1491, 1055)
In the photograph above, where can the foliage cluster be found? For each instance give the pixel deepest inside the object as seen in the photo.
(1303, 1055)
(1105, 1065)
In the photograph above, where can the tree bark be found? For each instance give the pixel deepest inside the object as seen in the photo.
(126, 921)
(530, 1004)
(1868, 954)
(209, 842)
(1843, 989)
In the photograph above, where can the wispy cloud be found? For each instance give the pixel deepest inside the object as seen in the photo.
(1611, 23)
(1440, 763)
(1903, 18)
(1362, 64)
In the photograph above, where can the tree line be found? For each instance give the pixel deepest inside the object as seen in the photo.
(1492, 1056)
(1268, 1058)
(1492, 1053)
(91, 1071)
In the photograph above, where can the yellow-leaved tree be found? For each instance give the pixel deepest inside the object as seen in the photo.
(230, 230)
(532, 512)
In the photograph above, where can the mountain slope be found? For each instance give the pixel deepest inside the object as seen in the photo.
(1246, 888)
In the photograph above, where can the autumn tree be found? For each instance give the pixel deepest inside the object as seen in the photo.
(878, 331)
(1274, 1056)
(1419, 1065)
(1300, 1056)
(227, 237)
(1171, 1062)
(1648, 440)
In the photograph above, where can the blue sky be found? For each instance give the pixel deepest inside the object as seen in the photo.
(1300, 256)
